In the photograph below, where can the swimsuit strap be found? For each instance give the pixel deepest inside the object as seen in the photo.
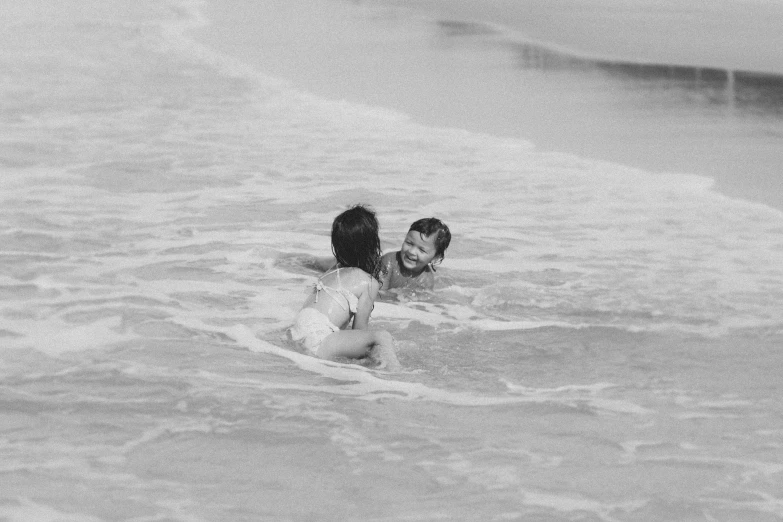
(351, 300)
(332, 292)
(337, 270)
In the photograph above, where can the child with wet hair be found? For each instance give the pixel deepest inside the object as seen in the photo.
(413, 265)
(333, 320)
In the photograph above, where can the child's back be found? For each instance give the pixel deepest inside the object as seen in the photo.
(343, 297)
(338, 293)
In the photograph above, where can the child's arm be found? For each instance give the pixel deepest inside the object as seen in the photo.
(366, 302)
(387, 264)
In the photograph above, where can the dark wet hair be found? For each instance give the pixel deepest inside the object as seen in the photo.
(355, 241)
(429, 226)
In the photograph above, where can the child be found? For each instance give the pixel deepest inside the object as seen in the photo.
(413, 266)
(347, 292)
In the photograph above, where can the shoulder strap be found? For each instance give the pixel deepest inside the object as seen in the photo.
(330, 272)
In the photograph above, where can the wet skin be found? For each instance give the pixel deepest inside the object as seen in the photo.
(409, 267)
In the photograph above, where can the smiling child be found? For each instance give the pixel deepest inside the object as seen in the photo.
(413, 266)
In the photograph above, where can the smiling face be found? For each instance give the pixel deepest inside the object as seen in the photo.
(417, 251)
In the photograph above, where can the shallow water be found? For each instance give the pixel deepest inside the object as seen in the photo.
(664, 86)
(604, 343)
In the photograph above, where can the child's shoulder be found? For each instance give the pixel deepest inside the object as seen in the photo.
(353, 274)
(388, 262)
(389, 257)
(427, 277)
(358, 281)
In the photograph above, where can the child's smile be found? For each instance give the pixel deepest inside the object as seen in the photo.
(417, 251)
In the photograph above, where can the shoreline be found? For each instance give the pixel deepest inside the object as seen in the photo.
(740, 35)
(449, 76)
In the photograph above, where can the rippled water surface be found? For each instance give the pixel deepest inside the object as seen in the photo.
(603, 344)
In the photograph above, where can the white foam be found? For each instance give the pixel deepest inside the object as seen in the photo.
(569, 503)
(26, 510)
(55, 338)
(250, 175)
(581, 394)
(366, 384)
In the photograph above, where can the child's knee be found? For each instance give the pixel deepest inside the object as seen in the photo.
(383, 337)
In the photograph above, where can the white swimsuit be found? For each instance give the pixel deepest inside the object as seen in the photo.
(311, 326)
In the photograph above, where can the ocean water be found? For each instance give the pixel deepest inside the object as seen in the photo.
(669, 86)
(604, 342)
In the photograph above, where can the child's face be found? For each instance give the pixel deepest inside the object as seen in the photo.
(417, 251)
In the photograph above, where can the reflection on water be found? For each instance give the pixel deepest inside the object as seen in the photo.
(752, 91)
(720, 123)
(757, 92)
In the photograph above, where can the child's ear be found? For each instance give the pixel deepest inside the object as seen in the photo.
(437, 261)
